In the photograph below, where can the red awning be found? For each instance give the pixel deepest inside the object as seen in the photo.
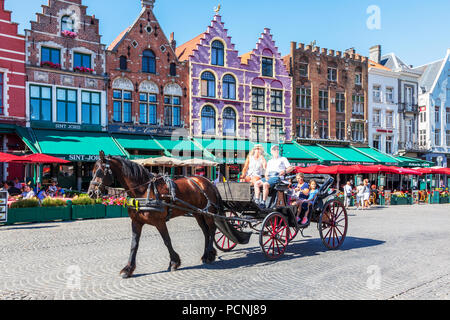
(434, 170)
(310, 170)
(42, 158)
(408, 171)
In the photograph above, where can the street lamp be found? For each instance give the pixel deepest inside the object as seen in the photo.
(281, 140)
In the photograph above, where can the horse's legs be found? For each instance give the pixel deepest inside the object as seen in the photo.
(175, 260)
(211, 252)
(136, 228)
(209, 255)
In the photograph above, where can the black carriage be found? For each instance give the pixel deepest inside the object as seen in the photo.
(278, 224)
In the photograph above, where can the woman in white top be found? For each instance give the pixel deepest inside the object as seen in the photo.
(254, 169)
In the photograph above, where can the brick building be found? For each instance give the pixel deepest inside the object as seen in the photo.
(66, 90)
(12, 92)
(147, 88)
(330, 89)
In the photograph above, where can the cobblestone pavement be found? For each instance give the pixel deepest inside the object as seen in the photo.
(400, 252)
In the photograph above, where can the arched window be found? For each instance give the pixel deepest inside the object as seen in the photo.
(148, 61)
(229, 122)
(208, 120)
(67, 24)
(123, 64)
(229, 87)
(208, 85)
(217, 53)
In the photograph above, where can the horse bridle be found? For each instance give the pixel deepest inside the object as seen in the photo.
(101, 173)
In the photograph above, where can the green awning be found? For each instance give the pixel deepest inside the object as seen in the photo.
(379, 156)
(350, 155)
(413, 162)
(226, 144)
(27, 136)
(76, 145)
(294, 152)
(138, 142)
(321, 154)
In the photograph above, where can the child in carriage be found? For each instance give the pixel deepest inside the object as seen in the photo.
(305, 204)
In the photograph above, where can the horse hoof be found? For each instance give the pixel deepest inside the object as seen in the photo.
(173, 266)
(126, 272)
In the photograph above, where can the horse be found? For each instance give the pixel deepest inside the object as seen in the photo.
(196, 191)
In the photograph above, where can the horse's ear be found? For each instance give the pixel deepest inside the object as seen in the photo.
(102, 156)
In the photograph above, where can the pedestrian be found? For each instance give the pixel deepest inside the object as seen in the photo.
(366, 194)
(360, 196)
(347, 194)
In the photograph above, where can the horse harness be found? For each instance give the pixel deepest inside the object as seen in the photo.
(170, 200)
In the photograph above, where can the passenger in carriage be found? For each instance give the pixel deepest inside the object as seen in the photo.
(306, 205)
(277, 168)
(254, 169)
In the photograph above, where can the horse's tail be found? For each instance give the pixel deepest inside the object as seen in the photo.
(225, 226)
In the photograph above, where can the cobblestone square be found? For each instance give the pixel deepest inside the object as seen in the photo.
(400, 252)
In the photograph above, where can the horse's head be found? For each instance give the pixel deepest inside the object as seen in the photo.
(102, 177)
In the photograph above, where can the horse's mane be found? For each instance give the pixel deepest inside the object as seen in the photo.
(133, 170)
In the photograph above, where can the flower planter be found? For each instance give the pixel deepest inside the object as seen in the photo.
(97, 211)
(114, 211)
(48, 214)
(399, 201)
(125, 212)
(443, 200)
(23, 215)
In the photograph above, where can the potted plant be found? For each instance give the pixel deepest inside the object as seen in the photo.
(50, 64)
(116, 207)
(54, 209)
(69, 34)
(23, 211)
(84, 207)
(83, 70)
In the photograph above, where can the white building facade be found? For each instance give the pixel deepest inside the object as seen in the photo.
(434, 104)
(383, 109)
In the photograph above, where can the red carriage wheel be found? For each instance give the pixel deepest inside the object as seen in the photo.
(222, 242)
(292, 233)
(333, 225)
(274, 236)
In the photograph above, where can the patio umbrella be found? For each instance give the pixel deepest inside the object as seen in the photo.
(199, 163)
(6, 158)
(338, 170)
(160, 161)
(42, 158)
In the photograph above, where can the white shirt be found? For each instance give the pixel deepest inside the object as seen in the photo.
(256, 168)
(348, 189)
(277, 165)
(360, 191)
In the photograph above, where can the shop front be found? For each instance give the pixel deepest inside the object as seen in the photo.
(81, 148)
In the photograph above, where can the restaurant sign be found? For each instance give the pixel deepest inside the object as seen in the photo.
(3, 206)
(160, 131)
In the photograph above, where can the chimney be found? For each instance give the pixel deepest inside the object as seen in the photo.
(173, 43)
(375, 53)
(148, 4)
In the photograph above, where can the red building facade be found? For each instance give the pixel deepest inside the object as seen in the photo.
(147, 85)
(12, 92)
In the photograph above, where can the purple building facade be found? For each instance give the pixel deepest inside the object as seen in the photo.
(231, 96)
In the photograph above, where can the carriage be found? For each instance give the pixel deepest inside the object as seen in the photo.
(278, 225)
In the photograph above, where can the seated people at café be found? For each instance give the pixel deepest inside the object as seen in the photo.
(52, 190)
(28, 193)
(306, 205)
(254, 169)
(277, 167)
(17, 184)
(40, 192)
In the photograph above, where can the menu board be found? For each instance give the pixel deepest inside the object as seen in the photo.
(3, 206)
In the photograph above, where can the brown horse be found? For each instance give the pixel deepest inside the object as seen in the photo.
(135, 179)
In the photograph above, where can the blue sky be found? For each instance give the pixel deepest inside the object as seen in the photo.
(417, 31)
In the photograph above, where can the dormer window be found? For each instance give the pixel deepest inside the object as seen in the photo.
(67, 24)
(217, 53)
